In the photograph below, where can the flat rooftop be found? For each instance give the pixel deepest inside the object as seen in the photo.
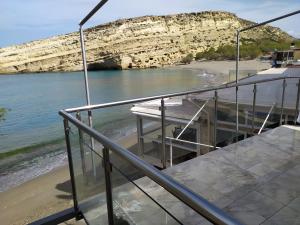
(256, 180)
(268, 94)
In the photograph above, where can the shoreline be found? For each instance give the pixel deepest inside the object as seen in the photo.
(212, 66)
(27, 163)
(29, 148)
(43, 195)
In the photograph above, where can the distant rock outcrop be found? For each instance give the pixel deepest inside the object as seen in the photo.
(143, 42)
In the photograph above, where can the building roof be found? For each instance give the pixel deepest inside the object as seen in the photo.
(178, 109)
(268, 93)
(182, 109)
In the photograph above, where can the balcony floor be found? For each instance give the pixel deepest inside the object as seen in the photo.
(256, 180)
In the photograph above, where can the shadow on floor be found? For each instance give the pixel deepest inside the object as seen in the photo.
(65, 187)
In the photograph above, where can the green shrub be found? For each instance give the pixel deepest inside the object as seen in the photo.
(269, 45)
(199, 55)
(250, 51)
(188, 58)
(2, 113)
(226, 52)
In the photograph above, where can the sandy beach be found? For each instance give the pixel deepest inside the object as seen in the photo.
(223, 67)
(42, 196)
(51, 192)
(37, 198)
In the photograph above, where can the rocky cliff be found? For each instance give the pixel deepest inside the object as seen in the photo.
(143, 42)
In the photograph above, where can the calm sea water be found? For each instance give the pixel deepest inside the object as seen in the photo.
(34, 100)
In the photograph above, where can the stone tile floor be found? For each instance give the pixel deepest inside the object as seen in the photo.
(257, 181)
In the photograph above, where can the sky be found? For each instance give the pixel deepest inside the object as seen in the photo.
(26, 20)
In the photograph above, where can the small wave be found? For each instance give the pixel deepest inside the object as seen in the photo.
(40, 159)
(205, 74)
(32, 169)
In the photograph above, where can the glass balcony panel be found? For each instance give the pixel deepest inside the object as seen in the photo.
(89, 178)
(131, 201)
(226, 117)
(245, 104)
(148, 138)
(268, 95)
(290, 103)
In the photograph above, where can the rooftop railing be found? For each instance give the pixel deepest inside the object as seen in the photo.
(191, 199)
(114, 163)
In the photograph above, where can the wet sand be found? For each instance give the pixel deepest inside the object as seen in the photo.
(42, 196)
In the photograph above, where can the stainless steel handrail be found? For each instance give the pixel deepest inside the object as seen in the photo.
(198, 91)
(190, 142)
(189, 123)
(269, 21)
(196, 202)
(266, 119)
(92, 12)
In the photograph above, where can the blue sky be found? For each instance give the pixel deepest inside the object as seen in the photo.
(26, 20)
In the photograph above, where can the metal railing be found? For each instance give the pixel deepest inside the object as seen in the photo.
(196, 202)
(162, 98)
(199, 204)
(176, 94)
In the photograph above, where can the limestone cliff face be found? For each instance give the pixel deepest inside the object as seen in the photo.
(144, 42)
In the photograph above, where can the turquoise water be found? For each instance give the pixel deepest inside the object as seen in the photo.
(33, 100)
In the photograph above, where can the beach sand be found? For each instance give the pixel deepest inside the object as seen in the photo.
(223, 67)
(51, 192)
(42, 196)
(37, 198)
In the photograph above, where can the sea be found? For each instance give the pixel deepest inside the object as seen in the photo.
(32, 135)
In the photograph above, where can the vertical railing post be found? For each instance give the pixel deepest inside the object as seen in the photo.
(87, 91)
(236, 82)
(171, 153)
(71, 168)
(163, 134)
(83, 52)
(253, 107)
(297, 102)
(108, 186)
(140, 135)
(198, 147)
(215, 120)
(282, 100)
(82, 153)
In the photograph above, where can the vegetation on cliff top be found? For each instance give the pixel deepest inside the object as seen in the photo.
(248, 49)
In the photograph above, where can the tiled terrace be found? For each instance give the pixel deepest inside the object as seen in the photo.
(256, 180)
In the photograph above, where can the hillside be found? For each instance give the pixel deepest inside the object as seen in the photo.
(143, 42)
